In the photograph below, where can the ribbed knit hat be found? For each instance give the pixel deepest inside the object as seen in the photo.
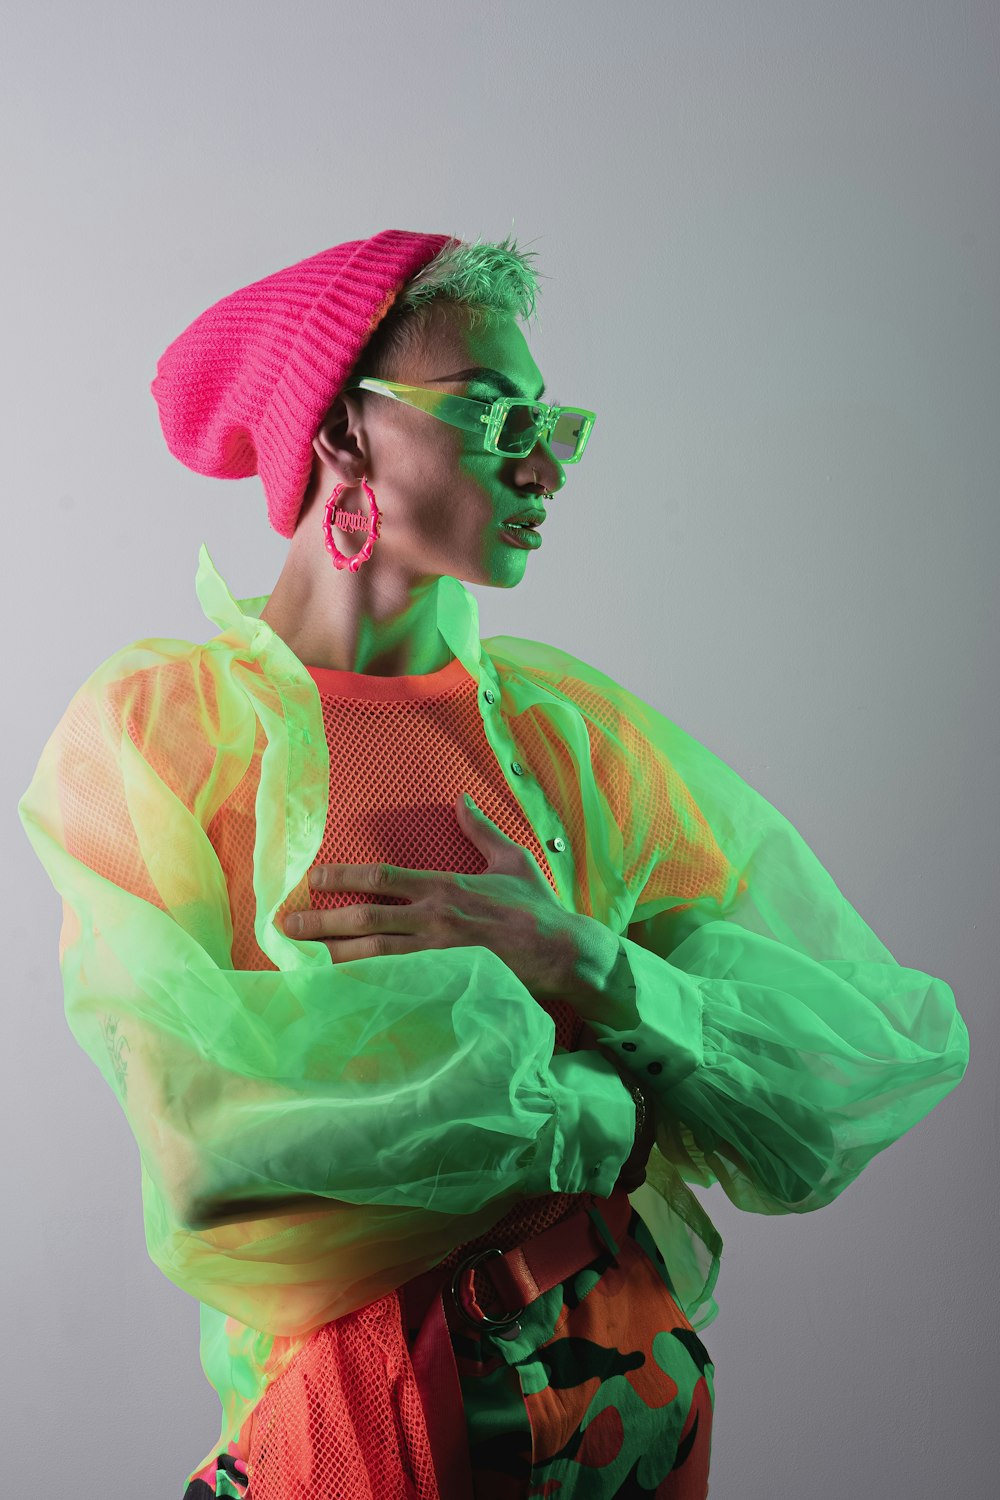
(243, 389)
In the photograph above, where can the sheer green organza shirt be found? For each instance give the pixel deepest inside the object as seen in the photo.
(416, 1096)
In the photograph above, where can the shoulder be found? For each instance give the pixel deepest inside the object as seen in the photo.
(653, 742)
(613, 712)
(548, 666)
(161, 698)
(625, 749)
(663, 787)
(144, 677)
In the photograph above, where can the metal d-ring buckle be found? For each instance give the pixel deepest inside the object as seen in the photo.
(482, 1319)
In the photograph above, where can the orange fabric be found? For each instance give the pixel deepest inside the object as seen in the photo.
(401, 749)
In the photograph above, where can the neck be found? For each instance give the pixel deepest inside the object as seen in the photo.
(374, 621)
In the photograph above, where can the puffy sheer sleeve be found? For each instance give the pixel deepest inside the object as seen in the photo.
(388, 1091)
(782, 1042)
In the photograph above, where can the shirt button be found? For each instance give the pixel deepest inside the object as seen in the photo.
(517, 768)
(655, 1067)
(557, 844)
(628, 1046)
(489, 695)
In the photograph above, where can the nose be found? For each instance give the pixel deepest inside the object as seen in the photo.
(547, 472)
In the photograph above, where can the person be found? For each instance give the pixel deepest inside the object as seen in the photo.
(431, 971)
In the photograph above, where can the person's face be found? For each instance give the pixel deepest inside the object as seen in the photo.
(441, 495)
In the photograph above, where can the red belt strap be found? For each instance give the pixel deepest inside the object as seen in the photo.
(519, 1276)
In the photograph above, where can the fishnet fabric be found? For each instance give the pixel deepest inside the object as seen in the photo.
(336, 1422)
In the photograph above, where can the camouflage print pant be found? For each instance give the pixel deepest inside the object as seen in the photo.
(607, 1390)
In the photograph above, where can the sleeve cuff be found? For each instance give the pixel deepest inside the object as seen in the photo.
(595, 1124)
(658, 1009)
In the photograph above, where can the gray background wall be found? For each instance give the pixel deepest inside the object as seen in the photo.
(771, 237)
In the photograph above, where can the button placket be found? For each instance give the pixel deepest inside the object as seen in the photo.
(531, 800)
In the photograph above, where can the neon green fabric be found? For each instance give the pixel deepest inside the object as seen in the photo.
(416, 1096)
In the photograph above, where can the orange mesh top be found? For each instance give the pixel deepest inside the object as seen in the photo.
(401, 749)
(405, 747)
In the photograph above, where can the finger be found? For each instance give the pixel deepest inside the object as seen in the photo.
(375, 945)
(395, 880)
(348, 921)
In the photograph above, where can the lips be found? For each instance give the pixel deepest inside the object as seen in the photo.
(526, 518)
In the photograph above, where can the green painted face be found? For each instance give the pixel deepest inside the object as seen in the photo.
(454, 494)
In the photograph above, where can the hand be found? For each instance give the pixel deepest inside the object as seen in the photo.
(509, 908)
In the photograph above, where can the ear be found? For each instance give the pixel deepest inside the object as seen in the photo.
(340, 441)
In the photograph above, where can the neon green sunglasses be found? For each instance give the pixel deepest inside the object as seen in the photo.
(509, 425)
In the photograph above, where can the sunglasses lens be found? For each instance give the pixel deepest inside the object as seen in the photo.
(519, 433)
(566, 435)
(520, 430)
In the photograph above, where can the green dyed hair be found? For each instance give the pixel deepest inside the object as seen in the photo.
(487, 279)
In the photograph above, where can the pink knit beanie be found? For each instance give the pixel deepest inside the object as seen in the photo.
(243, 389)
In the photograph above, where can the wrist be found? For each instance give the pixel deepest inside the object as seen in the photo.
(600, 986)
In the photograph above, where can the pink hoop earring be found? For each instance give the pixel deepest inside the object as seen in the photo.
(351, 520)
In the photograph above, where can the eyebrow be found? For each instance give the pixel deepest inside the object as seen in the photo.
(495, 377)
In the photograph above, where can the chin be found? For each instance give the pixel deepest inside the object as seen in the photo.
(483, 579)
